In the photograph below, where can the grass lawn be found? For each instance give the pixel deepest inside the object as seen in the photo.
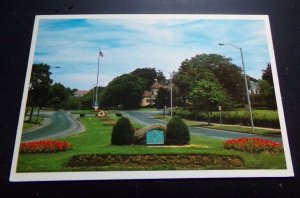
(83, 111)
(96, 140)
(28, 125)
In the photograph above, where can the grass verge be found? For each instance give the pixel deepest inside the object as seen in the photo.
(34, 123)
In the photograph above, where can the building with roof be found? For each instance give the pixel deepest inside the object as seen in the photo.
(149, 97)
(80, 93)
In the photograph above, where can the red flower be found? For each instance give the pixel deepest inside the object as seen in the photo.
(44, 146)
(253, 145)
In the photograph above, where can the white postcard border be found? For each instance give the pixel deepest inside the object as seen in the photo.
(178, 174)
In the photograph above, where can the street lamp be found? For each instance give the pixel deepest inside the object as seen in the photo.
(246, 83)
(96, 98)
(171, 89)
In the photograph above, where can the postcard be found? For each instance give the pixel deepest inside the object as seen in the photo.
(111, 97)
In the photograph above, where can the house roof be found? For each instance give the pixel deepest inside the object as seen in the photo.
(252, 79)
(156, 85)
(81, 92)
(147, 94)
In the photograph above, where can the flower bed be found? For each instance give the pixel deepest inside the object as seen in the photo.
(44, 146)
(254, 145)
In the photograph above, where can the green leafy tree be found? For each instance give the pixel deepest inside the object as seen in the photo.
(149, 75)
(39, 87)
(267, 88)
(60, 96)
(123, 132)
(267, 94)
(210, 67)
(177, 132)
(160, 77)
(267, 74)
(72, 102)
(206, 96)
(126, 90)
(162, 98)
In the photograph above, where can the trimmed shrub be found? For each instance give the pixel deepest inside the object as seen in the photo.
(122, 133)
(177, 132)
(119, 114)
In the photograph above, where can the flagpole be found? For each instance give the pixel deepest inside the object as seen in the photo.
(96, 98)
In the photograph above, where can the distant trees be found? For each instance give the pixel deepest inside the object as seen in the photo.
(59, 96)
(149, 75)
(162, 98)
(39, 87)
(126, 90)
(267, 92)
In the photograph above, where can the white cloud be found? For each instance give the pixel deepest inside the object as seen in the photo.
(128, 44)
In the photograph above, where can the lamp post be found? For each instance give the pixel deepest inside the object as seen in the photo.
(246, 83)
(96, 98)
(171, 90)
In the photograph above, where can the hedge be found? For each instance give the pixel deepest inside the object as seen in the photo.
(261, 118)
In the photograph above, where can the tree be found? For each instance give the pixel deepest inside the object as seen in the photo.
(160, 77)
(122, 133)
(206, 96)
(162, 98)
(210, 67)
(60, 96)
(39, 87)
(267, 91)
(267, 75)
(149, 75)
(267, 94)
(177, 132)
(126, 90)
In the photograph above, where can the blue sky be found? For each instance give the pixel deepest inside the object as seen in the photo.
(130, 43)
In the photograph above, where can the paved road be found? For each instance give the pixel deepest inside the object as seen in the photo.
(146, 118)
(57, 124)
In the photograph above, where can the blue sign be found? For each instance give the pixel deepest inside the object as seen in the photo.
(155, 136)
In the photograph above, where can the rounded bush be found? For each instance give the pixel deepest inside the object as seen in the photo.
(122, 133)
(177, 132)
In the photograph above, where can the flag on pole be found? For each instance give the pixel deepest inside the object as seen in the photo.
(100, 53)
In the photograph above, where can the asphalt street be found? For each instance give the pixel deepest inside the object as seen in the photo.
(57, 124)
(146, 118)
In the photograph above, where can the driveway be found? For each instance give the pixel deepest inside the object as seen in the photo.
(146, 118)
(56, 124)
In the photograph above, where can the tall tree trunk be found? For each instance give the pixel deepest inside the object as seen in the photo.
(38, 114)
(30, 115)
(208, 118)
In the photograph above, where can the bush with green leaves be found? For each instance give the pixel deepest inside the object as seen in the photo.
(177, 132)
(122, 133)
